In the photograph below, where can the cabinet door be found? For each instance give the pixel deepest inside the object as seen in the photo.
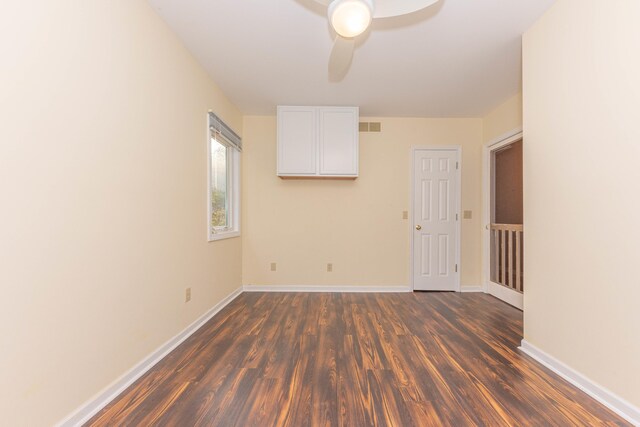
(338, 141)
(297, 136)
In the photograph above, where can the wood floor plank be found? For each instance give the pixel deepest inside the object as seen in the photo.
(351, 387)
(330, 359)
(296, 404)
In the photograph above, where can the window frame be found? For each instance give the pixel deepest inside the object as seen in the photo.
(233, 193)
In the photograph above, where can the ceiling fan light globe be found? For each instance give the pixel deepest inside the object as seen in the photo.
(350, 18)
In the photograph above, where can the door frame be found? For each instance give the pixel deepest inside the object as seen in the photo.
(499, 291)
(458, 150)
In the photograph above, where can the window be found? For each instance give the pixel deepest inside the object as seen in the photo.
(220, 185)
(224, 180)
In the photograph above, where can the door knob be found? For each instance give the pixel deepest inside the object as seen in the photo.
(418, 227)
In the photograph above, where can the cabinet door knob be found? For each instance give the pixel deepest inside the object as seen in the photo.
(418, 227)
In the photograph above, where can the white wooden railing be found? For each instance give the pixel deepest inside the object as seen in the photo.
(508, 255)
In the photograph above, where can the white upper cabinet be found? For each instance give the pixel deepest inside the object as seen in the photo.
(338, 141)
(297, 141)
(318, 141)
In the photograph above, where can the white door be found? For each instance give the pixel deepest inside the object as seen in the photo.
(435, 219)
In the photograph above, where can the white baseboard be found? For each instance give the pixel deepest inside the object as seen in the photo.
(618, 405)
(345, 289)
(511, 297)
(470, 289)
(95, 404)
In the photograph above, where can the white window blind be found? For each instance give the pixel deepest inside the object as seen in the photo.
(219, 130)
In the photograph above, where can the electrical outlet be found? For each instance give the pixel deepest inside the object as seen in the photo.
(187, 295)
(405, 214)
(273, 266)
(329, 267)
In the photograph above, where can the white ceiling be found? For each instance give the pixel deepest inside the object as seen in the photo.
(458, 58)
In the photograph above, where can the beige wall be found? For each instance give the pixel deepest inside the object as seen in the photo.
(357, 225)
(103, 184)
(581, 153)
(502, 119)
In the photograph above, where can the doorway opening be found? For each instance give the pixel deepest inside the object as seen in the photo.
(506, 222)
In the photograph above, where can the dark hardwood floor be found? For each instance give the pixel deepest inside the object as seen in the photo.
(300, 359)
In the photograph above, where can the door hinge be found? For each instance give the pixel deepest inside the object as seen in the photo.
(456, 217)
(456, 165)
(456, 268)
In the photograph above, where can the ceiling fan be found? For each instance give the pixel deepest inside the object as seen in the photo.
(350, 18)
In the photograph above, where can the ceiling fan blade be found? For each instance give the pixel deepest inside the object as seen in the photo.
(324, 2)
(340, 59)
(388, 8)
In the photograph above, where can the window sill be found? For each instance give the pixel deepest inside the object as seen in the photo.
(223, 235)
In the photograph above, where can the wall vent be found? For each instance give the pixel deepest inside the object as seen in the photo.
(370, 127)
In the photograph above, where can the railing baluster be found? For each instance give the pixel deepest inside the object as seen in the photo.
(518, 263)
(496, 255)
(503, 256)
(510, 269)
